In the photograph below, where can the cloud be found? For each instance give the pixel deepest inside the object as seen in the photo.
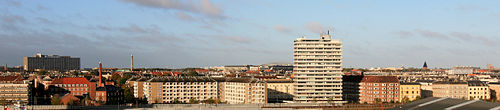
(466, 37)
(283, 29)
(315, 27)
(184, 16)
(44, 20)
(13, 19)
(403, 34)
(203, 7)
(431, 34)
(470, 7)
(133, 28)
(13, 3)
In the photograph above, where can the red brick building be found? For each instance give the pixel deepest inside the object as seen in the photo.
(77, 86)
(371, 89)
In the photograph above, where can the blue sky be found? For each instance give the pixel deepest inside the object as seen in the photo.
(199, 33)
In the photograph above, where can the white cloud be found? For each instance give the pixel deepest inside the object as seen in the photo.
(283, 29)
(203, 7)
(315, 27)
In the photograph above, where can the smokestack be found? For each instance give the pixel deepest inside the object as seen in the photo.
(6, 68)
(131, 62)
(100, 74)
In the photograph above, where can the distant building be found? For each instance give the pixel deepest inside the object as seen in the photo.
(14, 88)
(456, 90)
(51, 62)
(317, 71)
(410, 91)
(182, 89)
(462, 70)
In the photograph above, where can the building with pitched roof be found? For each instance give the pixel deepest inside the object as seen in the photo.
(14, 88)
(78, 86)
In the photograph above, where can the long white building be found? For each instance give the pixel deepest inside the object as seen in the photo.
(318, 70)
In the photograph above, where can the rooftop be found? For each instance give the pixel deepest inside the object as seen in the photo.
(70, 80)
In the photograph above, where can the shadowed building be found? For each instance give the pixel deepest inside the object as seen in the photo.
(51, 62)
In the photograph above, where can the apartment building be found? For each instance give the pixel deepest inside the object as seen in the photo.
(317, 70)
(449, 89)
(14, 88)
(371, 89)
(379, 89)
(51, 62)
(170, 89)
(409, 91)
(137, 84)
(244, 91)
(279, 90)
(478, 90)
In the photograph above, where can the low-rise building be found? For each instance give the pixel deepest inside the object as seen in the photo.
(449, 89)
(279, 90)
(478, 90)
(78, 86)
(409, 91)
(244, 91)
(179, 89)
(371, 89)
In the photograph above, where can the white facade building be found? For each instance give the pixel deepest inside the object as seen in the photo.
(318, 70)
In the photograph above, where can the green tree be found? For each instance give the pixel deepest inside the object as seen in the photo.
(377, 100)
(116, 77)
(192, 73)
(128, 93)
(193, 101)
(75, 73)
(210, 101)
(405, 100)
(418, 98)
(55, 100)
(42, 72)
(330, 99)
(3, 101)
(176, 101)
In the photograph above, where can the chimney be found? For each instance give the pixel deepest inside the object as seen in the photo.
(100, 74)
(131, 62)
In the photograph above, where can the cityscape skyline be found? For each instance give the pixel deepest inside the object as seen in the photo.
(204, 33)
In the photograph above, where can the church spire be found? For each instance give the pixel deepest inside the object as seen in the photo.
(425, 65)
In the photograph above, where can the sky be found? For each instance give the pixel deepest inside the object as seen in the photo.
(201, 33)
